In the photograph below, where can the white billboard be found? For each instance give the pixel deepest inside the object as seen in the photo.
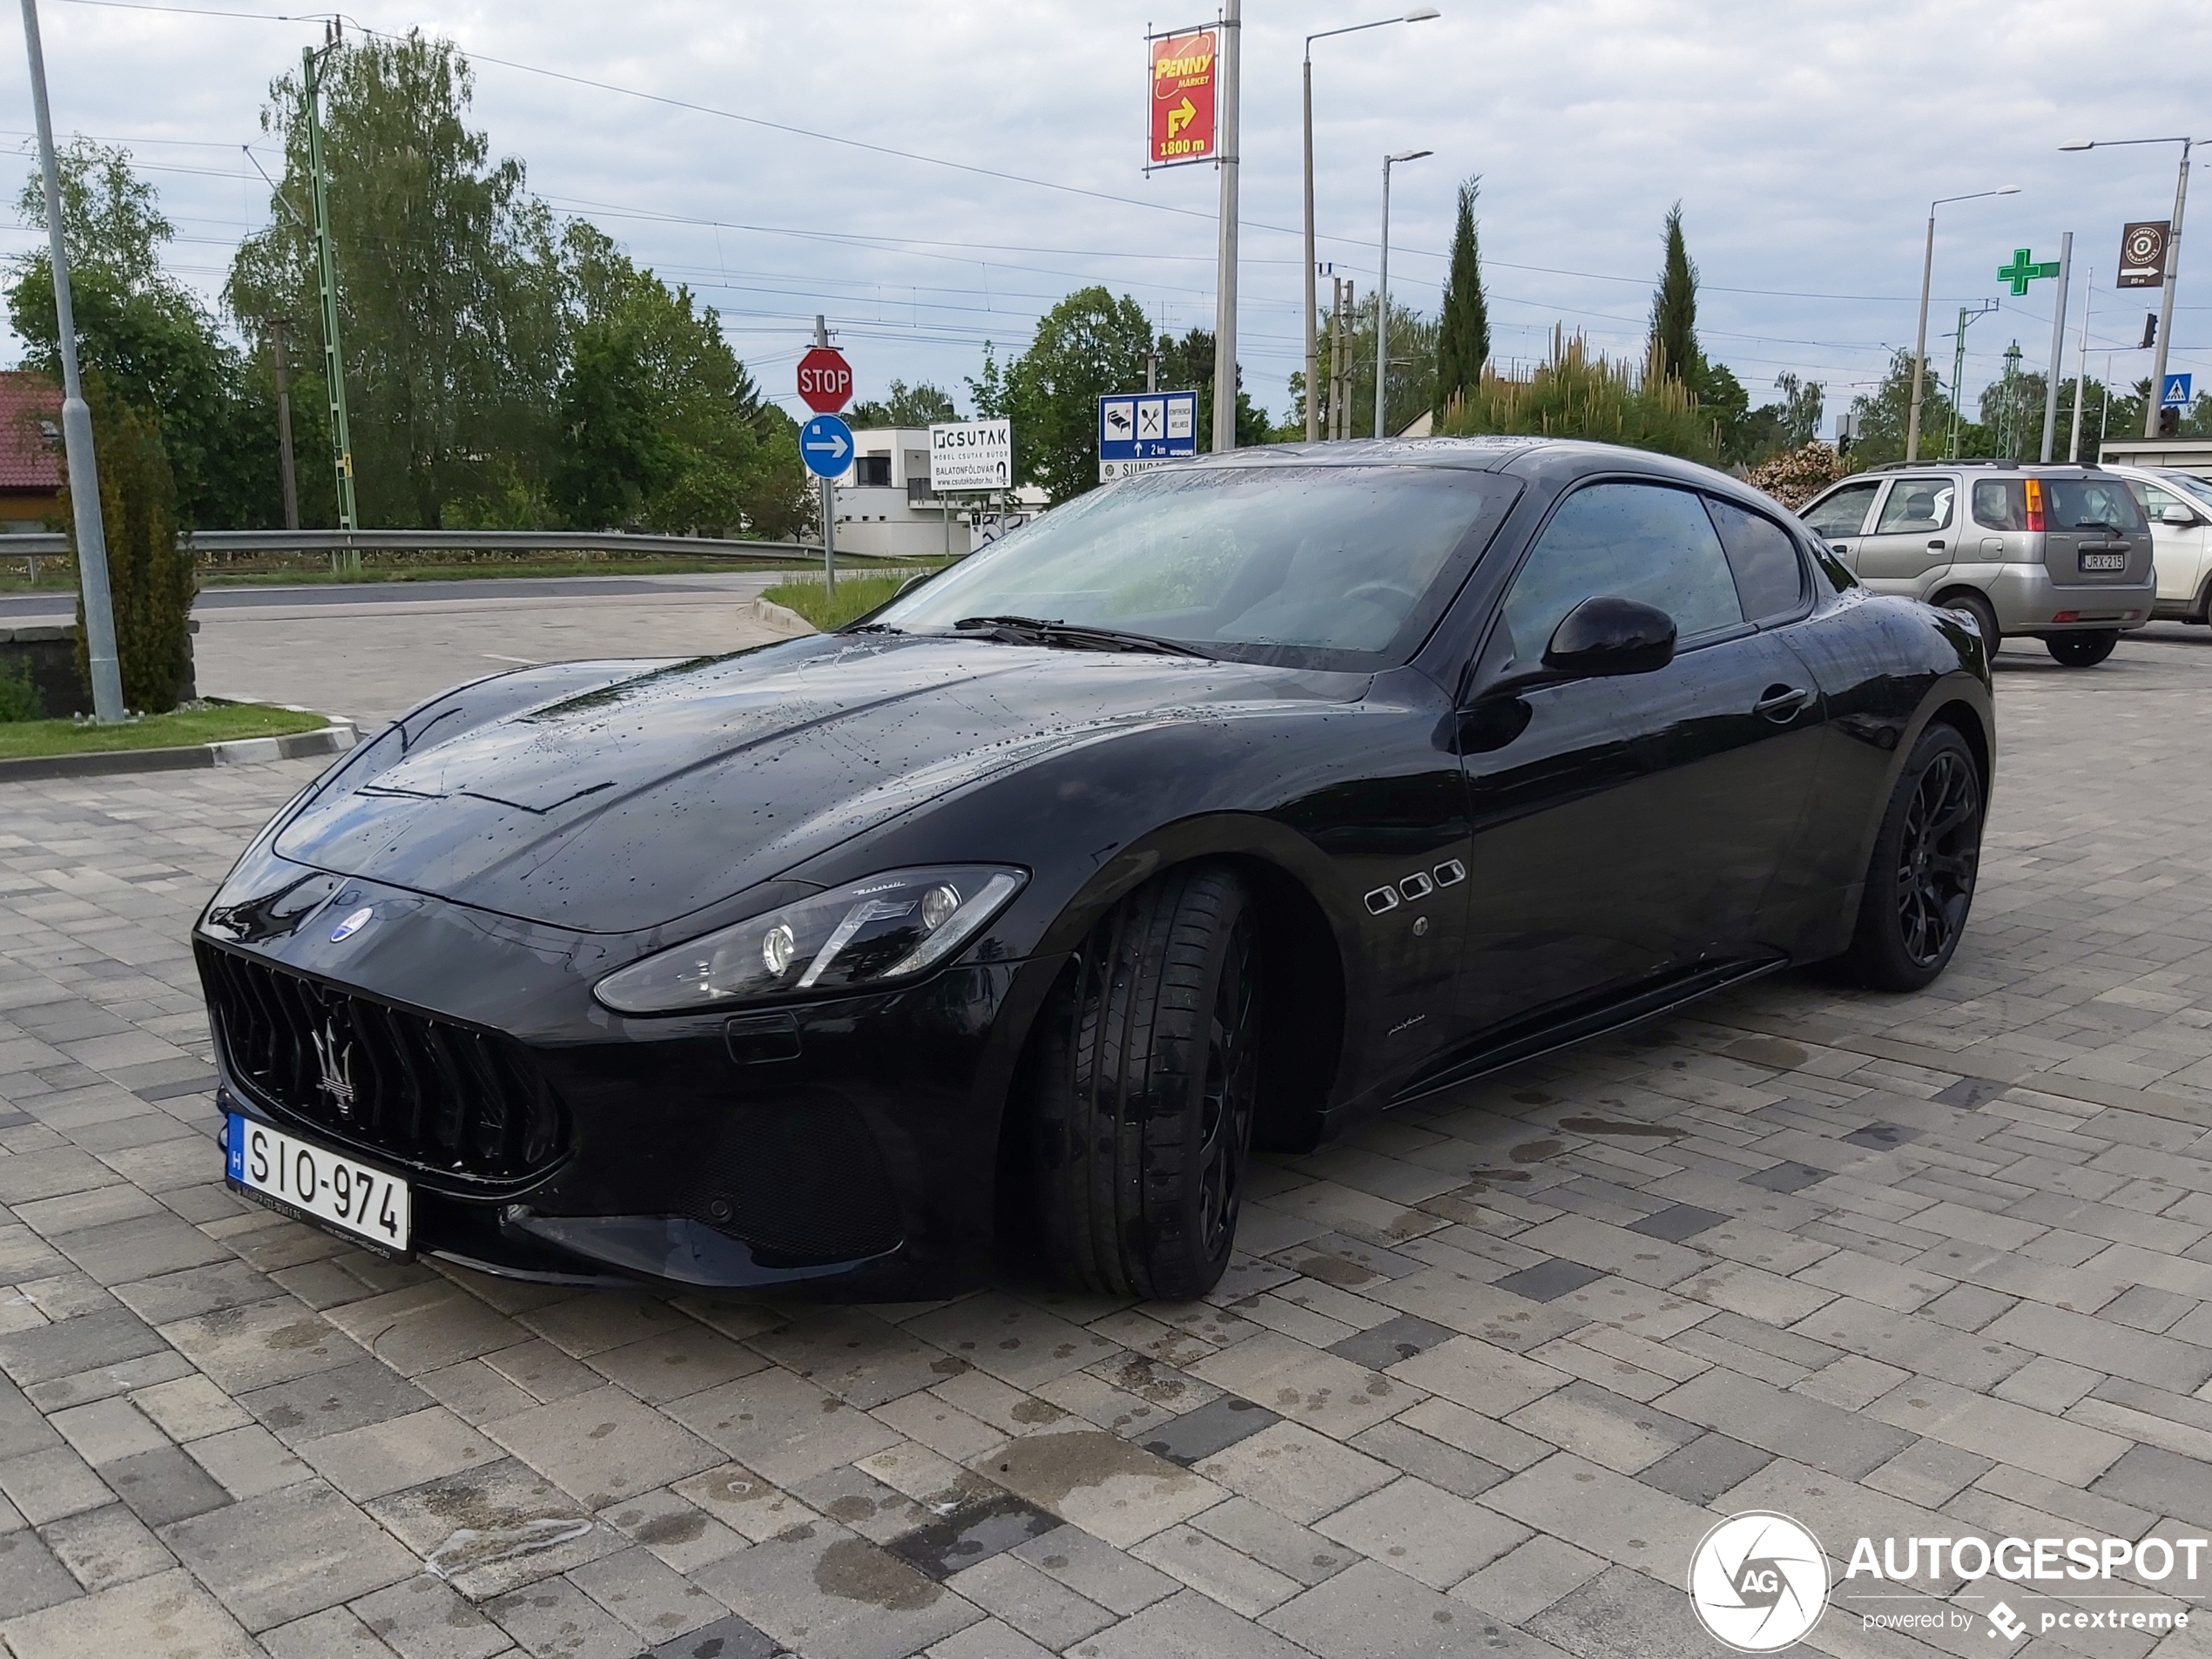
(971, 455)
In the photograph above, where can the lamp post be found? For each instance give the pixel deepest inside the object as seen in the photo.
(1418, 14)
(1920, 347)
(2173, 267)
(1382, 288)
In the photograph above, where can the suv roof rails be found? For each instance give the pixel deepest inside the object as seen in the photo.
(1982, 461)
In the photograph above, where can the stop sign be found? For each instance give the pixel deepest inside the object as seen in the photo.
(825, 380)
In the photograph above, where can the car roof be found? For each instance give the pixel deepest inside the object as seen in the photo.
(1535, 458)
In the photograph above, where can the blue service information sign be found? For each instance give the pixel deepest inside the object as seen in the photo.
(2174, 392)
(1137, 430)
(825, 445)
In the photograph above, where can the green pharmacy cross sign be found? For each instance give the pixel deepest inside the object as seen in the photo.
(2024, 270)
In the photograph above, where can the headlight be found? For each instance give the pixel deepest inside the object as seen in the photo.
(890, 926)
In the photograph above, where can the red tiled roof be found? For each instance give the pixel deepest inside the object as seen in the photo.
(28, 404)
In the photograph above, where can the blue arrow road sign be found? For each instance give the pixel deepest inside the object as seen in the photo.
(2175, 394)
(825, 445)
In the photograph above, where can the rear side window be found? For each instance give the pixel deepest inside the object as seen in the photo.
(1843, 513)
(1917, 504)
(1999, 504)
(1770, 579)
(2093, 504)
(1637, 540)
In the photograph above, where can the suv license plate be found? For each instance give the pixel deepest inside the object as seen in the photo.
(2104, 560)
(315, 1183)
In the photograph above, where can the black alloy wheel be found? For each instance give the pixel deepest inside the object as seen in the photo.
(1920, 882)
(1144, 1088)
(2083, 649)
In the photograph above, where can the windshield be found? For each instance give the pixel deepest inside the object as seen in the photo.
(2189, 483)
(1326, 567)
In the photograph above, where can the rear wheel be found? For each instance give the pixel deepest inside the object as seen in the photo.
(1985, 615)
(2083, 649)
(1920, 882)
(1145, 1090)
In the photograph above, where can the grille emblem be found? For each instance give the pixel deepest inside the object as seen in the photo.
(334, 1059)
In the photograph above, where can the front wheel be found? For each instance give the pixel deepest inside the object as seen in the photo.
(1985, 615)
(1920, 882)
(1144, 1088)
(2083, 649)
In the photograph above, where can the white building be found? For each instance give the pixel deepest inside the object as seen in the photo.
(884, 505)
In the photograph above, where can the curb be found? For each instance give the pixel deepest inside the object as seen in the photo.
(335, 738)
(782, 619)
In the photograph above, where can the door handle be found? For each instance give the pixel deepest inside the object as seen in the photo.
(1781, 703)
(1841, 547)
(1936, 546)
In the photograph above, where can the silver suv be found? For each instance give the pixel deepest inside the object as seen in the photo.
(2061, 554)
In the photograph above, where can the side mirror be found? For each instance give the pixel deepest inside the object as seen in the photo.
(2177, 515)
(1608, 635)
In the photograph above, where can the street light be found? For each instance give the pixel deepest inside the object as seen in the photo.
(1382, 288)
(2173, 267)
(1920, 349)
(1418, 14)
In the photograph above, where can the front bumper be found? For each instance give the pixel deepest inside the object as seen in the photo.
(848, 1145)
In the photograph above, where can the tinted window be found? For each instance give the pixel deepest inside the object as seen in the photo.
(1306, 565)
(2093, 504)
(1763, 556)
(2001, 504)
(1843, 513)
(2155, 501)
(1638, 541)
(1915, 504)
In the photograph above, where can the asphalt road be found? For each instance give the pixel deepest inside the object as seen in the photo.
(27, 606)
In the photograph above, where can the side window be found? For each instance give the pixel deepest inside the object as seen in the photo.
(1770, 579)
(2154, 500)
(1915, 504)
(1999, 504)
(1637, 541)
(1843, 513)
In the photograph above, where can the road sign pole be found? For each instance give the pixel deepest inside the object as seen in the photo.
(77, 415)
(1227, 142)
(2058, 349)
(2166, 298)
(2081, 366)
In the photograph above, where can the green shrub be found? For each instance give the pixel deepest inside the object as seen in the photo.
(19, 698)
(855, 596)
(1578, 394)
(150, 577)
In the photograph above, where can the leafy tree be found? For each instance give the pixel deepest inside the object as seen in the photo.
(1885, 414)
(1088, 345)
(1187, 365)
(150, 577)
(450, 283)
(1413, 369)
(920, 404)
(149, 339)
(1674, 308)
(1579, 393)
(1463, 323)
(1783, 426)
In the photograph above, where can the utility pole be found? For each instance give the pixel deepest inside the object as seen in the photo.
(1382, 290)
(282, 367)
(1224, 324)
(1920, 345)
(829, 491)
(77, 415)
(2081, 366)
(2166, 298)
(1959, 371)
(341, 439)
(2058, 348)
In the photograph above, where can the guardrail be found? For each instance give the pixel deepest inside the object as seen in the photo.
(49, 544)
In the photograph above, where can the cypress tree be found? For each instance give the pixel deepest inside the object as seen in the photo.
(1674, 310)
(1463, 331)
(150, 577)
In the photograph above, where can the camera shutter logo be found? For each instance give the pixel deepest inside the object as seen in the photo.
(1758, 1582)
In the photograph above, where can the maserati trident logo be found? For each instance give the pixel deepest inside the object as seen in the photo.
(334, 1058)
(1758, 1582)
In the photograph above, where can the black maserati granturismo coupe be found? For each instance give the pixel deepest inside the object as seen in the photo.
(1212, 812)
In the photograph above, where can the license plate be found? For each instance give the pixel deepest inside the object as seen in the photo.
(2104, 560)
(315, 1183)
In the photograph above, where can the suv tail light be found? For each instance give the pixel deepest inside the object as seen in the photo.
(2034, 503)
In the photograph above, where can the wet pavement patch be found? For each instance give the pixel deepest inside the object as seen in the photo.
(730, 1638)
(974, 1532)
(1881, 1136)
(857, 1571)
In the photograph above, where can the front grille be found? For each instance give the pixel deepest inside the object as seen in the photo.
(444, 1099)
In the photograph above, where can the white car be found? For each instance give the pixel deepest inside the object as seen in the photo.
(2179, 506)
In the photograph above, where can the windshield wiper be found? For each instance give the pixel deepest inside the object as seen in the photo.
(870, 628)
(1037, 631)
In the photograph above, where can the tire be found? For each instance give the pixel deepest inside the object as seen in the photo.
(2083, 649)
(1145, 1090)
(1920, 881)
(1985, 615)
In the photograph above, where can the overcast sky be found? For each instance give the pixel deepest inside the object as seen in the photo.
(1804, 141)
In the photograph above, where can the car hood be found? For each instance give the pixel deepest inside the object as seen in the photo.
(632, 805)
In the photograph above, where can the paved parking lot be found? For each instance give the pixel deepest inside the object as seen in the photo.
(1935, 1265)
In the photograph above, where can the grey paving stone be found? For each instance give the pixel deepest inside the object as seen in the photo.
(1281, 1545)
(554, 1616)
(166, 1616)
(1709, 1466)
(1380, 1346)
(1369, 1612)
(106, 1547)
(603, 1446)
(164, 1485)
(2161, 1481)
(973, 1532)
(1880, 1136)
(222, 1282)
(332, 1552)
(84, 1344)
(1186, 1626)
(1625, 1614)
(835, 1594)
(728, 1637)
(330, 1402)
(1677, 1222)
(1786, 1176)
(647, 1595)
(45, 1486)
(1095, 1570)
(1548, 1280)
(31, 1577)
(1785, 1424)
(421, 1617)
(334, 1633)
(490, 1530)
(1404, 1447)
(1187, 1437)
(1030, 1601)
